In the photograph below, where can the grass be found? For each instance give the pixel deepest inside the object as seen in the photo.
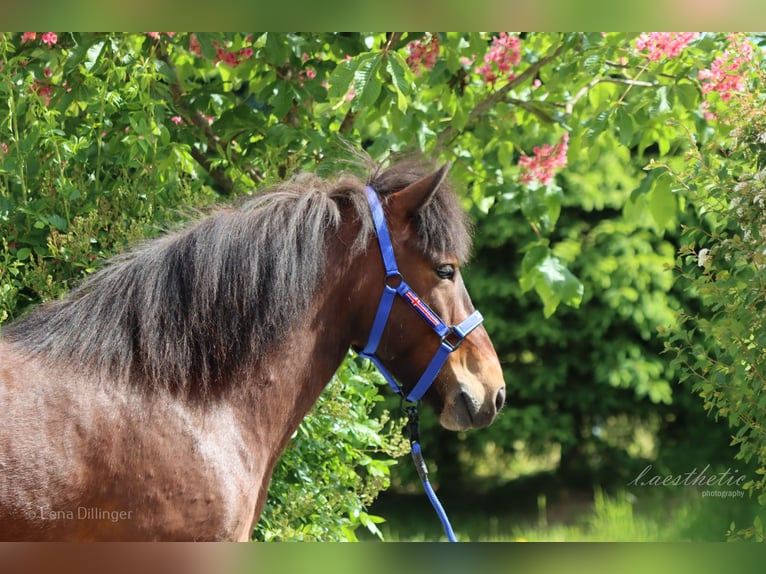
(645, 515)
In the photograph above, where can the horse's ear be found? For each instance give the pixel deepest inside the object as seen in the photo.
(416, 196)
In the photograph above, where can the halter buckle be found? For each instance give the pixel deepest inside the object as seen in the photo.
(450, 336)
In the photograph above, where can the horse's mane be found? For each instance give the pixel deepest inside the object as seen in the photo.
(187, 310)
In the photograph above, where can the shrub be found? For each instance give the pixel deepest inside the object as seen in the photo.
(721, 344)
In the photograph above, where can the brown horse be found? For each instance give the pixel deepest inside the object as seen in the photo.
(153, 402)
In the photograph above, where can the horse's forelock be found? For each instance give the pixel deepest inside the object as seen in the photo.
(442, 225)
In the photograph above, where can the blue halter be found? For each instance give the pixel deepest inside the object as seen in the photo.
(450, 337)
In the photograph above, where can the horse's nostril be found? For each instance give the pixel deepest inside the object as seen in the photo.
(500, 398)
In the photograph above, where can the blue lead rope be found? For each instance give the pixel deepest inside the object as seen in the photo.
(420, 465)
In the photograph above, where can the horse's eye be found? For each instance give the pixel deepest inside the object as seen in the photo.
(446, 271)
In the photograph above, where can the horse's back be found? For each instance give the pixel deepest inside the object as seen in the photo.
(90, 461)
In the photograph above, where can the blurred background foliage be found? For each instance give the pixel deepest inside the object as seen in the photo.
(616, 185)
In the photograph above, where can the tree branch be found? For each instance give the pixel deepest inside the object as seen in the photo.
(487, 103)
(587, 87)
(532, 109)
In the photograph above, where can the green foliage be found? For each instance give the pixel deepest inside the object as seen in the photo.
(720, 344)
(87, 164)
(579, 369)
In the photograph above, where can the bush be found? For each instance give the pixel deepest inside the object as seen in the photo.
(720, 343)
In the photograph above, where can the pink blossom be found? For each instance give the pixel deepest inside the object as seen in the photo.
(153, 35)
(541, 165)
(504, 53)
(49, 38)
(231, 59)
(726, 74)
(4, 147)
(423, 53)
(194, 45)
(664, 44)
(42, 90)
(28, 37)
(177, 120)
(706, 113)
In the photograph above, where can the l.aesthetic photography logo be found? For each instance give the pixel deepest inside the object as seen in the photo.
(726, 484)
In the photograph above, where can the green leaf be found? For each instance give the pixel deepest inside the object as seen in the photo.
(23, 253)
(59, 222)
(401, 79)
(662, 202)
(661, 99)
(283, 99)
(529, 264)
(276, 49)
(342, 78)
(93, 55)
(541, 204)
(688, 95)
(552, 281)
(367, 82)
(206, 45)
(626, 125)
(597, 126)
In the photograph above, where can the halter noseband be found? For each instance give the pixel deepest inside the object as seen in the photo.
(451, 337)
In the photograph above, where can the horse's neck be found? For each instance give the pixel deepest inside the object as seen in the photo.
(285, 386)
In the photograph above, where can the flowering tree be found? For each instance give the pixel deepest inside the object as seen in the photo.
(563, 146)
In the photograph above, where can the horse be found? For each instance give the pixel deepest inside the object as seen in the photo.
(154, 400)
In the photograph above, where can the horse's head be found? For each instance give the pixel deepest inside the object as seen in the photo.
(469, 389)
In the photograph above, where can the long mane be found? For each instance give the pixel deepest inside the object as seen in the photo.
(187, 310)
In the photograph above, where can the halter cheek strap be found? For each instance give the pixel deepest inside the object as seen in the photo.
(450, 337)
